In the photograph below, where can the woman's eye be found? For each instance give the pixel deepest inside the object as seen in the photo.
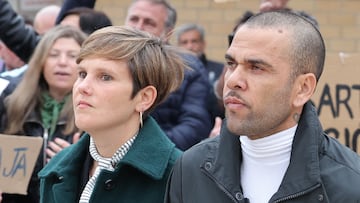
(72, 56)
(53, 55)
(82, 74)
(106, 77)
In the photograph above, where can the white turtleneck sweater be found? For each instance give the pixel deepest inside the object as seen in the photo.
(264, 164)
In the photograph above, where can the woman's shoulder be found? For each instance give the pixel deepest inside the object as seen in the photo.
(72, 155)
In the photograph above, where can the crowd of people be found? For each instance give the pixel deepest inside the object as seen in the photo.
(125, 116)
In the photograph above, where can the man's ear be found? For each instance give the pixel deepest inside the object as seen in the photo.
(305, 85)
(146, 98)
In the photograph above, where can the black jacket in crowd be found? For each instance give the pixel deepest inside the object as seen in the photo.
(321, 169)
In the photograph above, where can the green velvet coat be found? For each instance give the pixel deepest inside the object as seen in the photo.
(140, 176)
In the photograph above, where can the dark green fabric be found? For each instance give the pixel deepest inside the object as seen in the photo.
(50, 112)
(140, 176)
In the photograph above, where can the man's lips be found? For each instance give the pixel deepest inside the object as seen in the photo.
(234, 102)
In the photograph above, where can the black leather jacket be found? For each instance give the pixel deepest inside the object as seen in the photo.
(21, 39)
(320, 170)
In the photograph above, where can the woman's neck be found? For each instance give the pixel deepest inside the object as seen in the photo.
(108, 141)
(58, 95)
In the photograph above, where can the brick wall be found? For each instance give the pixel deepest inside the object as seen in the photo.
(339, 20)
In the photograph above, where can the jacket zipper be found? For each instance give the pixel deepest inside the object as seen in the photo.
(293, 196)
(45, 137)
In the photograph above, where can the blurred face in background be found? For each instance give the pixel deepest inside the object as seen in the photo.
(149, 17)
(191, 40)
(60, 67)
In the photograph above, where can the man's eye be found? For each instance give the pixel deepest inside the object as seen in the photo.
(231, 64)
(255, 68)
(133, 19)
(150, 23)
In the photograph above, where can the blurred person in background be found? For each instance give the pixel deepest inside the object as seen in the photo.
(43, 21)
(86, 19)
(45, 18)
(191, 36)
(41, 103)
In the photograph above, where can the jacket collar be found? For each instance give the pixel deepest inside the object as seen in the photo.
(67, 165)
(226, 160)
(150, 153)
(303, 172)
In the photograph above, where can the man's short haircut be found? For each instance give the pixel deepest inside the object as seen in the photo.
(307, 51)
(189, 27)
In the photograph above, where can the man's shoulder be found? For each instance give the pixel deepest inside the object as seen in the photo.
(193, 62)
(341, 153)
(206, 149)
(197, 72)
(339, 161)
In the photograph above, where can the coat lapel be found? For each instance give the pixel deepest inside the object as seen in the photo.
(303, 172)
(226, 161)
(151, 160)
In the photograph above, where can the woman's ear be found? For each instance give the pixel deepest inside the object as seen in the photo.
(146, 98)
(305, 85)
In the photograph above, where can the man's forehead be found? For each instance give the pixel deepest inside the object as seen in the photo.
(273, 32)
(258, 40)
